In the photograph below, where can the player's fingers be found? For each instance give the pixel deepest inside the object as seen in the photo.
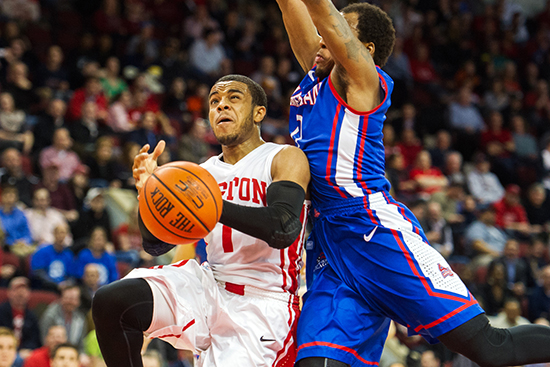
(159, 149)
(139, 159)
(145, 148)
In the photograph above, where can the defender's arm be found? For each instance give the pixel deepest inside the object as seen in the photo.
(301, 32)
(354, 64)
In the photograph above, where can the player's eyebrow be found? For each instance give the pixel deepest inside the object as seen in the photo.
(229, 91)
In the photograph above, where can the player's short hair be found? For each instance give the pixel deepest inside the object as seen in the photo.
(259, 98)
(375, 26)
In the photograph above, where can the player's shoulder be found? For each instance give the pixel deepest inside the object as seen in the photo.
(289, 154)
(210, 161)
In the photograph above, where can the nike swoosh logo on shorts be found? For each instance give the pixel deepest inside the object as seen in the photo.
(262, 339)
(369, 237)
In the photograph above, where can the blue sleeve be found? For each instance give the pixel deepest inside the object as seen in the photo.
(79, 264)
(70, 264)
(39, 260)
(24, 230)
(113, 271)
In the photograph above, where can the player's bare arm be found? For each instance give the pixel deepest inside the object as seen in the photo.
(354, 75)
(302, 34)
(291, 164)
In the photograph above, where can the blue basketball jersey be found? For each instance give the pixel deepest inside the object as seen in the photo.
(344, 146)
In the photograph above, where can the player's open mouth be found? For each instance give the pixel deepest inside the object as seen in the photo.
(319, 58)
(224, 120)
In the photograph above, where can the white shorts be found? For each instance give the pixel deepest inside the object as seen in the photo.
(228, 325)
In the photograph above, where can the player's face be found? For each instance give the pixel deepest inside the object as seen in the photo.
(232, 116)
(323, 59)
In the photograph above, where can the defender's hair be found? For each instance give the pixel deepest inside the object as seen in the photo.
(375, 26)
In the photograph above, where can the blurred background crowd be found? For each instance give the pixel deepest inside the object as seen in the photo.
(85, 84)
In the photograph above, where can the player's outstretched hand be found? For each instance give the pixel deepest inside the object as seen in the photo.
(145, 163)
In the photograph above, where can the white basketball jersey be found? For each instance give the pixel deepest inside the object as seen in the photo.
(242, 259)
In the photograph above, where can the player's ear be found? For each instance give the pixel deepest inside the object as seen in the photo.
(370, 47)
(259, 113)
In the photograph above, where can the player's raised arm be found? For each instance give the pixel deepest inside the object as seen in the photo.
(303, 36)
(354, 65)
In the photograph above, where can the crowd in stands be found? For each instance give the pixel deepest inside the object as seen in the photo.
(84, 84)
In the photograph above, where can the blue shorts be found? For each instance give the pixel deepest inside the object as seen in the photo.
(378, 266)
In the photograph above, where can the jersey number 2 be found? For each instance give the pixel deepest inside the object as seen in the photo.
(227, 241)
(297, 133)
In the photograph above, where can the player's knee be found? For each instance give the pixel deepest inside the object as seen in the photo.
(480, 342)
(102, 303)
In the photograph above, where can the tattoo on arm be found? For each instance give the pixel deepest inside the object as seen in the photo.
(340, 25)
(354, 47)
(352, 50)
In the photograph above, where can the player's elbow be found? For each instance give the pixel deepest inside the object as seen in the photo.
(286, 235)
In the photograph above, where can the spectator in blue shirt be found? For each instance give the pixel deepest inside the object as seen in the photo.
(97, 253)
(53, 265)
(14, 223)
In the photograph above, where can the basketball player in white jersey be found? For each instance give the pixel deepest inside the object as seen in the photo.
(241, 308)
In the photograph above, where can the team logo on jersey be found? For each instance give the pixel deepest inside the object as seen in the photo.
(446, 272)
(309, 98)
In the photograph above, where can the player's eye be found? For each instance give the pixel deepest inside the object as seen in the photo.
(316, 30)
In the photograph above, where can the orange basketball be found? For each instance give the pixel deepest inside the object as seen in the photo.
(180, 203)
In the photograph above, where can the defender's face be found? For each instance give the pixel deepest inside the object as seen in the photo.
(323, 59)
(231, 114)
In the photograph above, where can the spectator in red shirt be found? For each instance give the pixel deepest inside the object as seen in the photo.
(57, 334)
(510, 214)
(409, 146)
(92, 91)
(107, 19)
(498, 143)
(428, 179)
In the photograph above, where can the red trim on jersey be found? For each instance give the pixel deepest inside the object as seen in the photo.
(421, 277)
(447, 316)
(401, 210)
(235, 288)
(191, 323)
(340, 347)
(227, 241)
(282, 255)
(330, 152)
(294, 252)
(369, 211)
(343, 103)
(180, 264)
(361, 154)
(286, 356)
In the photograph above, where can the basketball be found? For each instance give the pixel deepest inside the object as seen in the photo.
(180, 203)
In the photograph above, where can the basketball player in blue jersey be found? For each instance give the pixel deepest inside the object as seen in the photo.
(368, 258)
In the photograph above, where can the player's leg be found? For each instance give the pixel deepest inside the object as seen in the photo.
(491, 347)
(122, 311)
(321, 362)
(337, 327)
